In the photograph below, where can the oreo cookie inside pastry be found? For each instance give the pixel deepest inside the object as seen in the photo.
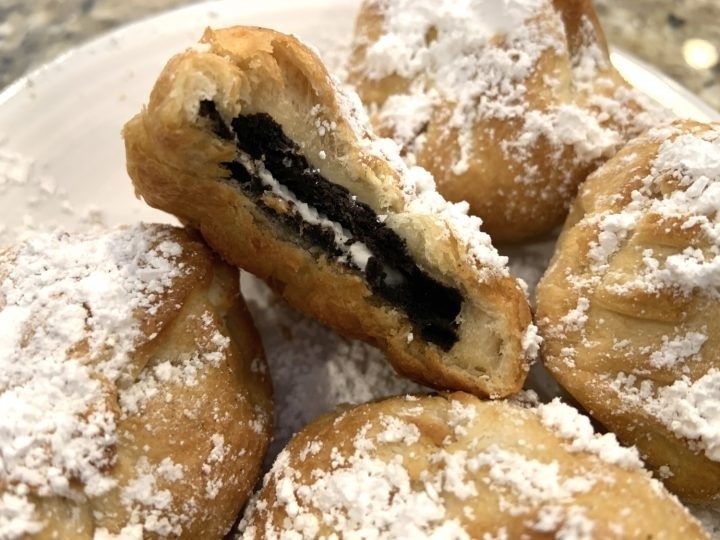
(510, 104)
(133, 391)
(247, 139)
(629, 307)
(455, 467)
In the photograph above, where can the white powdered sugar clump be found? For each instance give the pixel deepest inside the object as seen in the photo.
(17, 516)
(15, 168)
(691, 409)
(678, 349)
(576, 318)
(149, 504)
(68, 322)
(129, 532)
(684, 187)
(531, 342)
(614, 229)
(396, 430)
(531, 482)
(688, 408)
(567, 423)
(694, 162)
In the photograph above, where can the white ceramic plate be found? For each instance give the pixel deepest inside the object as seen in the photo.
(62, 163)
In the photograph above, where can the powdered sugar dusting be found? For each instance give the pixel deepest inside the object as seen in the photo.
(569, 424)
(386, 481)
(678, 349)
(687, 408)
(422, 198)
(69, 321)
(187, 370)
(682, 191)
(683, 188)
(148, 503)
(418, 185)
(449, 43)
(405, 49)
(659, 241)
(531, 482)
(475, 58)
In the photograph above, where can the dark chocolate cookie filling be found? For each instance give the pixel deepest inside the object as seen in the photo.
(391, 273)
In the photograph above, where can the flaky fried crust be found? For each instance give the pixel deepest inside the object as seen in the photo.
(190, 406)
(638, 350)
(532, 138)
(452, 466)
(176, 163)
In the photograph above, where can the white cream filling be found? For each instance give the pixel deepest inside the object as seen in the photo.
(353, 250)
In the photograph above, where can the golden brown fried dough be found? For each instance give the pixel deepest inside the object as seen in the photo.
(133, 389)
(629, 305)
(509, 104)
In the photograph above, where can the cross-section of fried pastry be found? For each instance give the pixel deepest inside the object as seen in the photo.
(133, 395)
(454, 467)
(630, 305)
(247, 139)
(510, 104)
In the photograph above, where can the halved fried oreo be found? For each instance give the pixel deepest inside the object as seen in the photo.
(248, 139)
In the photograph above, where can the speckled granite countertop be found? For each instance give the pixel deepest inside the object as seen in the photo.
(681, 37)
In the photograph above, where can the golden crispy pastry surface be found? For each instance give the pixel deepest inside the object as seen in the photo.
(510, 105)
(133, 390)
(629, 305)
(452, 466)
(247, 139)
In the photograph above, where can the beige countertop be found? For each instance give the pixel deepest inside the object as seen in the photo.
(680, 37)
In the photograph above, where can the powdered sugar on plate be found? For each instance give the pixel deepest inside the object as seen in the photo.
(313, 369)
(43, 195)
